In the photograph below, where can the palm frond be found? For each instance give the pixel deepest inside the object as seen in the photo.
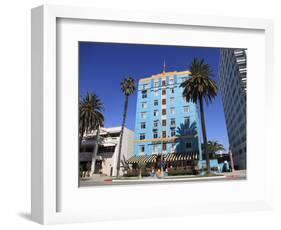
(128, 86)
(90, 112)
(199, 85)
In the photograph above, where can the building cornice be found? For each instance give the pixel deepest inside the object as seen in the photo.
(164, 74)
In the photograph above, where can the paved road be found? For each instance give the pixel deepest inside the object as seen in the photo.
(98, 180)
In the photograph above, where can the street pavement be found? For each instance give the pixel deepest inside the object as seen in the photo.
(101, 180)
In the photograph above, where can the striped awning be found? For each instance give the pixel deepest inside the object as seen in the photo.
(142, 159)
(170, 157)
(181, 156)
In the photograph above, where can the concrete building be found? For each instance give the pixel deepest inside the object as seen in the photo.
(165, 122)
(106, 159)
(233, 86)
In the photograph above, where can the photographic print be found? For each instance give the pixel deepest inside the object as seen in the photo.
(158, 113)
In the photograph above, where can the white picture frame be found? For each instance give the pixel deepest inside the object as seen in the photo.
(46, 185)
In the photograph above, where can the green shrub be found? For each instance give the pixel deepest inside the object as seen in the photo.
(181, 171)
(136, 174)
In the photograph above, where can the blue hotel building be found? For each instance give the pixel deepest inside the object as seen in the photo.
(165, 122)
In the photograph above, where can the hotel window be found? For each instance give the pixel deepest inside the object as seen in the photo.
(144, 94)
(142, 125)
(163, 101)
(156, 84)
(172, 90)
(163, 92)
(164, 83)
(173, 147)
(143, 115)
(142, 136)
(155, 113)
(163, 134)
(186, 109)
(155, 135)
(171, 80)
(163, 122)
(164, 147)
(173, 122)
(172, 101)
(143, 105)
(144, 86)
(155, 102)
(172, 111)
(186, 120)
(163, 111)
(173, 133)
(188, 145)
(154, 148)
(141, 148)
(156, 93)
(155, 124)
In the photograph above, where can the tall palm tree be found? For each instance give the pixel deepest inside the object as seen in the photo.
(90, 119)
(128, 87)
(197, 88)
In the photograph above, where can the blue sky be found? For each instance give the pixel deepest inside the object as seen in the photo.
(102, 66)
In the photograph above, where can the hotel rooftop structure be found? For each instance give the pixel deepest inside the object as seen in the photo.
(165, 122)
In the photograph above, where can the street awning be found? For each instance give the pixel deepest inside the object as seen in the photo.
(170, 157)
(142, 159)
(181, 156)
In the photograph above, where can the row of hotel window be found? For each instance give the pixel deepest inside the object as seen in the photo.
(155, 134)
(164, 123)
(155, 147)
(163, 82)
(156, 103)
(164, 112)
(164, 134)
(144, 92)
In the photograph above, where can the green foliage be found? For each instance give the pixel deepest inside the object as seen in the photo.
(90, 113)
(214, 146)
(181, 171)
(199, 85)
(136, 173)
(128, 86)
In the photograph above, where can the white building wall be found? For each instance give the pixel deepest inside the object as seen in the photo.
(109, 162)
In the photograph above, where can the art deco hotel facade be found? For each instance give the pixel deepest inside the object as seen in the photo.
(165, 122)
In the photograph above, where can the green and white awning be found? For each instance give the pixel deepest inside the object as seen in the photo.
(142, 159)
(170, 157)
(187, 156)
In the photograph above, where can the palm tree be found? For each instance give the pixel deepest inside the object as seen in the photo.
(213, 147)
(128, 87)
(90, 119)
(197, 88)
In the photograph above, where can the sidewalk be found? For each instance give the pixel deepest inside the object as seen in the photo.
(98, 180)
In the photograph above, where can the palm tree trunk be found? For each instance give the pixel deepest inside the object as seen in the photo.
(95, 151)
(80, 143)
(204, 134)
(81, 134)
(121, 134)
